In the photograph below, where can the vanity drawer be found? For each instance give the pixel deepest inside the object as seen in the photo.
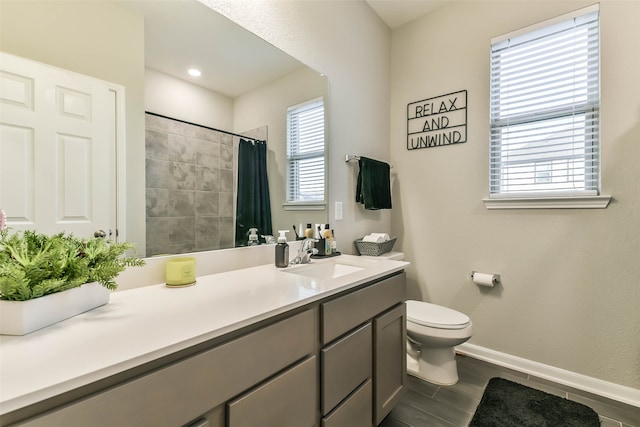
(289, 400)
(345, 313)
(353, 412)
(345, 365)
(186, 389)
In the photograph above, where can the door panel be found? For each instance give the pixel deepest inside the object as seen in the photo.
(57, 149)
(17, 173)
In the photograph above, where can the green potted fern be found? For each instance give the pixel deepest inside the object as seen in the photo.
(43, 275)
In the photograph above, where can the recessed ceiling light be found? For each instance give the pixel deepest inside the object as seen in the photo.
(195, 73)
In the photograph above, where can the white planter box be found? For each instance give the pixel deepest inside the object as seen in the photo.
(23, 317)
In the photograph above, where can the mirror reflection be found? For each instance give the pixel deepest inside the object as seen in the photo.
(189, 161)
(207, 187)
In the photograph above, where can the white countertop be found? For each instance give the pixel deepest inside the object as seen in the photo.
(144, 324)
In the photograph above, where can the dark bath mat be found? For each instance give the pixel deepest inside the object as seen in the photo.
(505, 403)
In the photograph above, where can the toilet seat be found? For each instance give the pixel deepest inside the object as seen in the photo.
(435, 316)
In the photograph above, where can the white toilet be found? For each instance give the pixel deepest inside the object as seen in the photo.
(433, 331)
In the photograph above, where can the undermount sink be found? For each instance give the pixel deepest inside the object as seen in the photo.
(325, 270)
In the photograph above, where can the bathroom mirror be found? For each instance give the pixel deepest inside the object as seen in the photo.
(257, 83)
(241, 68)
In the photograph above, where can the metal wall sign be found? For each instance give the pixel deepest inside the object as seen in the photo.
(437, 121)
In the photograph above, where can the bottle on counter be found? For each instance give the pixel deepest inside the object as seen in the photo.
(253, 237)
(334, 244)
(328, 240)
(308, 232)
(282, 250)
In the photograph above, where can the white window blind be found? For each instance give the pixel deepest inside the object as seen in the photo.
(305, 152)
(545, 98)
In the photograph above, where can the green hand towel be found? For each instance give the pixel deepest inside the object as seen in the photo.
(373, 188)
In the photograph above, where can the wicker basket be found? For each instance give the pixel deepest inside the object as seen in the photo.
(375, 249)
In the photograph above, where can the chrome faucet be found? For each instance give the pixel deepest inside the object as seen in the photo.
(304, 252)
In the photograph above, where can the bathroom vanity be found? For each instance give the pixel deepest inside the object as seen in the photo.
(312, 345)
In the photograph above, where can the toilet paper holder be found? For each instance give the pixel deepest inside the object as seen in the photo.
(485, 279)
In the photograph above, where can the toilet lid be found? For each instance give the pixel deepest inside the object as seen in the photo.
(435, 316)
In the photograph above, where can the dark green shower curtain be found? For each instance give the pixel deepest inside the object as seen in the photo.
(253, 204)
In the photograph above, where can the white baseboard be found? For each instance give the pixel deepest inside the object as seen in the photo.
(606, 389)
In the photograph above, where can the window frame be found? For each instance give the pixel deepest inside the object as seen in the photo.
(311, 204)
(589, 198)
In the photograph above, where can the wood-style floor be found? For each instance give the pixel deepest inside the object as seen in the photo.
(425, 404)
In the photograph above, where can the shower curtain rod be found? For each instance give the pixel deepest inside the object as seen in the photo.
(207, 127)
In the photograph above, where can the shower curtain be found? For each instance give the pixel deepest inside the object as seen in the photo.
(253, 208)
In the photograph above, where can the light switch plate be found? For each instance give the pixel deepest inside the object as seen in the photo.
(338, 211)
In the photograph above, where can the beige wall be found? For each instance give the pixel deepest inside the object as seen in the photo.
(178, 99)
(98, 39)
(571, 278)
(346, 41)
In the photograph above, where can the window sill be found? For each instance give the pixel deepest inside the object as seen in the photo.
(304, 206)
(575, 202)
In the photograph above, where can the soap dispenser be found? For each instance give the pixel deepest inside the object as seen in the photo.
(253, 237)
(282, 250)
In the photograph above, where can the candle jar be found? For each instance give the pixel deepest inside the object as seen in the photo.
(181, 271)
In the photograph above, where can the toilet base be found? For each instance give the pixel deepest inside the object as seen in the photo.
(435, 365)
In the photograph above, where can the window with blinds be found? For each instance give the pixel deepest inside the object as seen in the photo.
(305, 152)
(545, 101)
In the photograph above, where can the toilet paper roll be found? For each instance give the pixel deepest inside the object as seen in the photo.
(485, 279)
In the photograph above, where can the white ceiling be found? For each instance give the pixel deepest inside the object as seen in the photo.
(183, 34)
(396, 13)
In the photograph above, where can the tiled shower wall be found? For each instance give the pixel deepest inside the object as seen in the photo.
(189, 187)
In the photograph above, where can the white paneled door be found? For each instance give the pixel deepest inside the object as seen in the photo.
(58, 144)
